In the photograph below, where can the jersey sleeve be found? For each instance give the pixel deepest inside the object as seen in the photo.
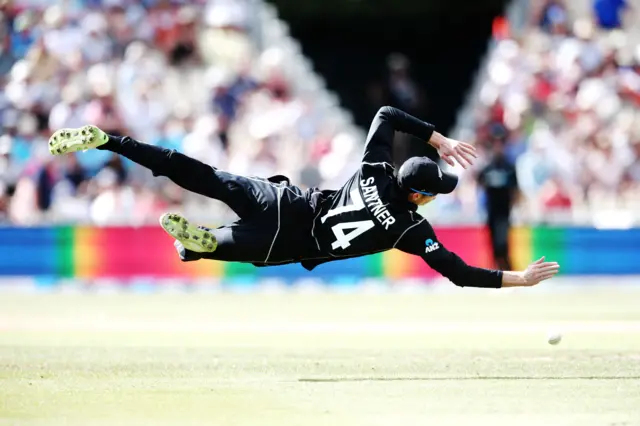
(388, 120)
(421, 240)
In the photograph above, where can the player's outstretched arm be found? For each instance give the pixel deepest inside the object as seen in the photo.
(422, 241)
(461, 274)
(387, 121)
(535, 273)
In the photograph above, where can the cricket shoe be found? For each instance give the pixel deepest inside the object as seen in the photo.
(194, 238)
(81, 139)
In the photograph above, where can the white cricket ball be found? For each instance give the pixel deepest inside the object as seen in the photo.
(554, 338)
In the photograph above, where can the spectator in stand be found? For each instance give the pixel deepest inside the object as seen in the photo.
(102, 109)
(633, 170)
(184, 50)
(555, 196)
(4, 203)
(70, 111)
(550, 15)
(609, 13)
(97, 45)
(74, 174)
(23, 33)
(227, 97)
(9, 169)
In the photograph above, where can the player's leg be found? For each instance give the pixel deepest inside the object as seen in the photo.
(246, 242)
(235, 191)
(499, 229)
(491, 226)
(243, 241)
(281, 233)
(250, 242)
(504, 226)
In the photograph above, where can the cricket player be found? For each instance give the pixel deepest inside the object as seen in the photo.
(499, 180)
(279, 223)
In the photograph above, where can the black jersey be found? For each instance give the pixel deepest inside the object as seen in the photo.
(370, 213)
(500, 182)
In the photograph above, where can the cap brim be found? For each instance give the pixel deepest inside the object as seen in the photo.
(448, 183)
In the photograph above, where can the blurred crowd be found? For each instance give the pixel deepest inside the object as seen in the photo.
(561, 99)
(186, 75)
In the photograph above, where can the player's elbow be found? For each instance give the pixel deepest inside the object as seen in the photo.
(459, 280)
(384, 113)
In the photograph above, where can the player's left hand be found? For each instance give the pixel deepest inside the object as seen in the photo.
(452, 151)
(539, 271)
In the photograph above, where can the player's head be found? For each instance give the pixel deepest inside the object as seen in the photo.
(423, 180)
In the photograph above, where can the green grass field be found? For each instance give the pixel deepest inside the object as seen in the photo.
(465, 358)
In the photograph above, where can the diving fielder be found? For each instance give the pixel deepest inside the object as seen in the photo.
(280, 223)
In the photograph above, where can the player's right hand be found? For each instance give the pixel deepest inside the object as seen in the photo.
(539, 271)
(451, 150)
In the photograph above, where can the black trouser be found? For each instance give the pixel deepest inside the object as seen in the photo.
(269, 230)
(499, 224)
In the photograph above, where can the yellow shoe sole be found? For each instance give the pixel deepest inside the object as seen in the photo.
(192, 238)
(72, 140)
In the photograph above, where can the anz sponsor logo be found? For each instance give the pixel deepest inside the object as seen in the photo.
(431, 246)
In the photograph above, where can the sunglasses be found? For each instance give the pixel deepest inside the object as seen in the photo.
(428, 194)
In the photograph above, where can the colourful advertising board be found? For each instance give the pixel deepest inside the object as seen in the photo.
(123, 252)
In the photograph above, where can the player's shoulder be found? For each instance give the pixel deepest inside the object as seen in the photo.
(382, 173)
(405, 218)
(409, 228)
(410, 218)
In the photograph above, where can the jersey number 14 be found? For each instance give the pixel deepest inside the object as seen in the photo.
(357, 228)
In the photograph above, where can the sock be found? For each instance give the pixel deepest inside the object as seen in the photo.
(186, 255)
(114, 144)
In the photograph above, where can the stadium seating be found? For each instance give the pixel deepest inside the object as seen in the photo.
(219, 80)
(563, 92)
(223, 81)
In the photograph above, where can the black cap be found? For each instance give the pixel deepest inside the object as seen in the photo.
(422, 174)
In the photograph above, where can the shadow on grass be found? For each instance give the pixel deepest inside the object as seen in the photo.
(452, 378)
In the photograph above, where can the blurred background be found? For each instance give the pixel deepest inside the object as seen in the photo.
(547, 90)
